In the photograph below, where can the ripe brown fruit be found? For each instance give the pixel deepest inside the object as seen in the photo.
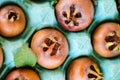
(51, 48)
(74, 15)
(12, 21)
(22, 74)
(83, 69)
(106, 40)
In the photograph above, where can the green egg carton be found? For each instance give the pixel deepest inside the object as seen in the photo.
(41, 14)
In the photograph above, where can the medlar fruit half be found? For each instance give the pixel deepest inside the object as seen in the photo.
(83, 69)
(51, 48)
(106, 39)
(74, 15)
(12, 21)
(22, 74)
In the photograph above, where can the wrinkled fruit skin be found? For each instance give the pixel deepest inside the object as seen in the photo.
(83, 69)
(104, 45)
(12, 21)
(1, 57)
(51, 48)
(22, 74)
(74, 15)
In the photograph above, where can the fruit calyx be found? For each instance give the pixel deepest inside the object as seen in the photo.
(51, 44)
(12, 16)
(72, 16)
(94, 73)
(113, 41)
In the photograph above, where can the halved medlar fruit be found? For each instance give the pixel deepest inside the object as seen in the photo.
(106, 39)
(51, 48)
(12, 21)
(1, 57)
(74, 15)
(22, 74)
(83, 69)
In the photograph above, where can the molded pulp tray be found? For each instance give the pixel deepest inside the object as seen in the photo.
(41, 14)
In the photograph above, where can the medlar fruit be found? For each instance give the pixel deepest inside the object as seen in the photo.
(83, 69)
(74, 15)
(106, 39)
(51, 48)
(12, 21)
(22, 74)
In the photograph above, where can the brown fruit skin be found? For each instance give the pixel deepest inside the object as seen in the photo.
(1, 57)
(26, 73)
(99, 39)
(11, 29)
(87, 11)
(77, 70)
(44, 59)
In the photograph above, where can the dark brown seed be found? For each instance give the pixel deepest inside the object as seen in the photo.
(67, 21)
(76, 23)
(91, 76)
(78, 15)
(92, 68)
(64, 14)
(48, 42)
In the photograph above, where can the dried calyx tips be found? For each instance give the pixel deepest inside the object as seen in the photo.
(52, 41)
(94, 73)
(12, 16)
(72, 16)
(113, 41)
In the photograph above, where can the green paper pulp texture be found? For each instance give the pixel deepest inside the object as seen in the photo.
(42, 15)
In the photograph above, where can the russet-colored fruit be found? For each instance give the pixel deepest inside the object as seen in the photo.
(22, 74)
(12, 21)
(83, 69)
(106, 39)
(74, 15)
(51, 48)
